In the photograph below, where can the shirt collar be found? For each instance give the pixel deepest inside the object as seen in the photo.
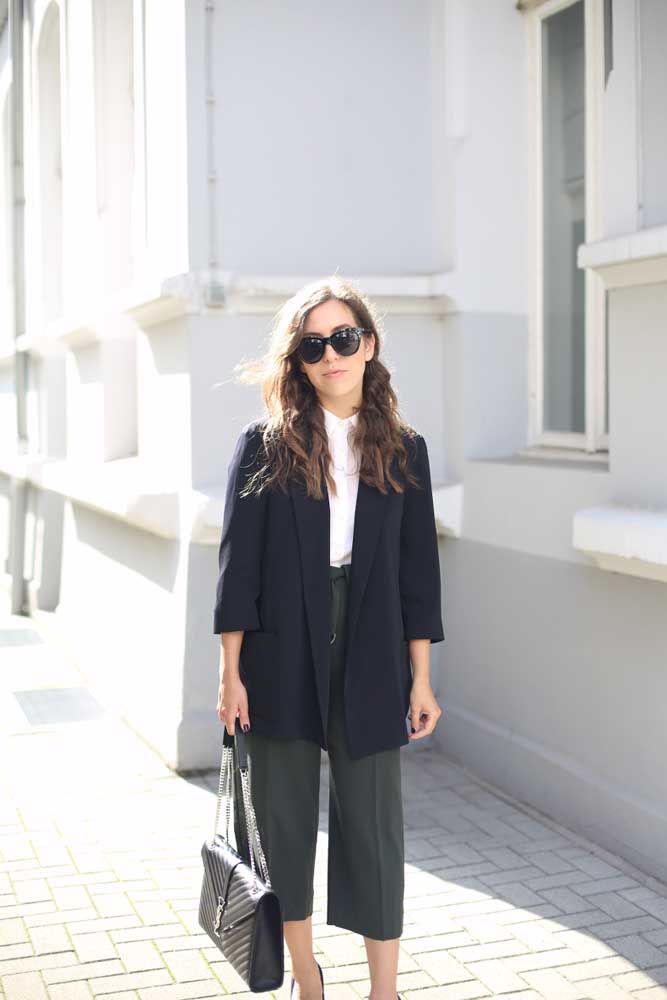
(332, 422)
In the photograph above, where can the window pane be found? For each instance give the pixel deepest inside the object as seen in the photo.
(653, 104)
(564, 219)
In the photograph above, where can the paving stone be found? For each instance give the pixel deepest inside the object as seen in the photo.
(119, 931)
(603, 988)
(616, 905)
(470, 990)
(93, 947)
(32, 891)
(597, 967)
(140, 956)
(12, 931)
(115, 904)
(643, 925)
(638, 980)
(481, 952)
(549, 983)
(24, 986)
(71, 897)
(75, 970)
(584, 944)
(498, 902)
(497, 976)
(131, 981)
(183, 991)
(186, 965)
(641, 952)
(34, 963)
(74, 991)
(45, 915)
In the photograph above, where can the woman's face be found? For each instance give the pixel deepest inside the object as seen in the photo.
(345, 389)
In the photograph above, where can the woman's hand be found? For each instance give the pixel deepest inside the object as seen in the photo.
(424, 710)
(233, 701)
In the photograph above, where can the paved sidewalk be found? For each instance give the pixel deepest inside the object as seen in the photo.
(100, 874)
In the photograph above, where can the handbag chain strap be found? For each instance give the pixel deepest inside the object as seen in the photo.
(225, 784)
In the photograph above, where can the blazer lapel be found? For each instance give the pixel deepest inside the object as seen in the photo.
(312, 518)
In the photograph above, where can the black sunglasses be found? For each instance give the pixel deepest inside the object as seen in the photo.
(344, 342)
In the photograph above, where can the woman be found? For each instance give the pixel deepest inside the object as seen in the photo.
(329, 588)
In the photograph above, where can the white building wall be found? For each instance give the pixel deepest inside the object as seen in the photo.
(274, 144)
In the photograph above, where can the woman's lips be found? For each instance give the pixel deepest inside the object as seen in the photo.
(335, 374)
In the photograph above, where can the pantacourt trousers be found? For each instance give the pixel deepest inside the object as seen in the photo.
(365, 875)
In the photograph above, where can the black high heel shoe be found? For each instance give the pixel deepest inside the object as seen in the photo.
(321, 980)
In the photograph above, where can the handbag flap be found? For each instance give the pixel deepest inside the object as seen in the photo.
(232, 879)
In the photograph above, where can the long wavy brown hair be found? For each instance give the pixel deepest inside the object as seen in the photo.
(295, 441)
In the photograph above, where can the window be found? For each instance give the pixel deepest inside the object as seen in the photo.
(564, 214)
(652, 33)
(50, 165)
(113, 49)
(568, 322)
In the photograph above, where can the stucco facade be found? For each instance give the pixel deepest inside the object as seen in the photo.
(492, 175)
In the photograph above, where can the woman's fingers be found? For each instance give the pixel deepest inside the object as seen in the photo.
(233, 705)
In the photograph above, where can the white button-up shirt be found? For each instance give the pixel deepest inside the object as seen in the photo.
(345, 472)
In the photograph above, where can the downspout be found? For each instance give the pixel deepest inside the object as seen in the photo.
(18, 494)
(215, 288)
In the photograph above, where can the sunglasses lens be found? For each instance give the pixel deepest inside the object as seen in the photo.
(311, 349)
(345, 342)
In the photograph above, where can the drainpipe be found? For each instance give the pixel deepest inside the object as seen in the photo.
(18, 487)
(215, 288)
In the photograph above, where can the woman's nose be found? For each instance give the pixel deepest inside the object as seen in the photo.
(332, 356)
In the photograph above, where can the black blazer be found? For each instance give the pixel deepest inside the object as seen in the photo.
(274, 585)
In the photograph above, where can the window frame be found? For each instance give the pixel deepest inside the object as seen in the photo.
(595, 438)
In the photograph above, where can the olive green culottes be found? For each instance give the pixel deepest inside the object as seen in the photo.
(366, 843)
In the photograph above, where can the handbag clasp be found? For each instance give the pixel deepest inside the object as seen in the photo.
(220, 909)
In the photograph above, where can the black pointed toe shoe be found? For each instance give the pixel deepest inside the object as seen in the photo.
(291, 987)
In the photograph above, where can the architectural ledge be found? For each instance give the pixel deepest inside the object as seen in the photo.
(624, 539)
(638, 258)
(448, 504)
(232, 292)
(127, 489)
(131, 491)
(153, 299)
(148, 302)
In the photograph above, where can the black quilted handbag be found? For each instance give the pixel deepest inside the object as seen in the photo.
(238, 909)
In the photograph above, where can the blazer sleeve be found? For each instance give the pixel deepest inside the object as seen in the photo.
(240, 551)
(419, 571)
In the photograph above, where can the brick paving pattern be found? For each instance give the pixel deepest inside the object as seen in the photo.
(100, 872)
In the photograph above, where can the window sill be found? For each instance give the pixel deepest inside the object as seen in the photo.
(552, 457)
(624, 539)
(638, 258)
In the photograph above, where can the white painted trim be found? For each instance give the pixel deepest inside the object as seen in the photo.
(256, 293)
(638, 258)
(133, 491)
(146, 304)
(550, 452)
(153, 300)
(594, 437)
(624, 539)
(595, 292)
